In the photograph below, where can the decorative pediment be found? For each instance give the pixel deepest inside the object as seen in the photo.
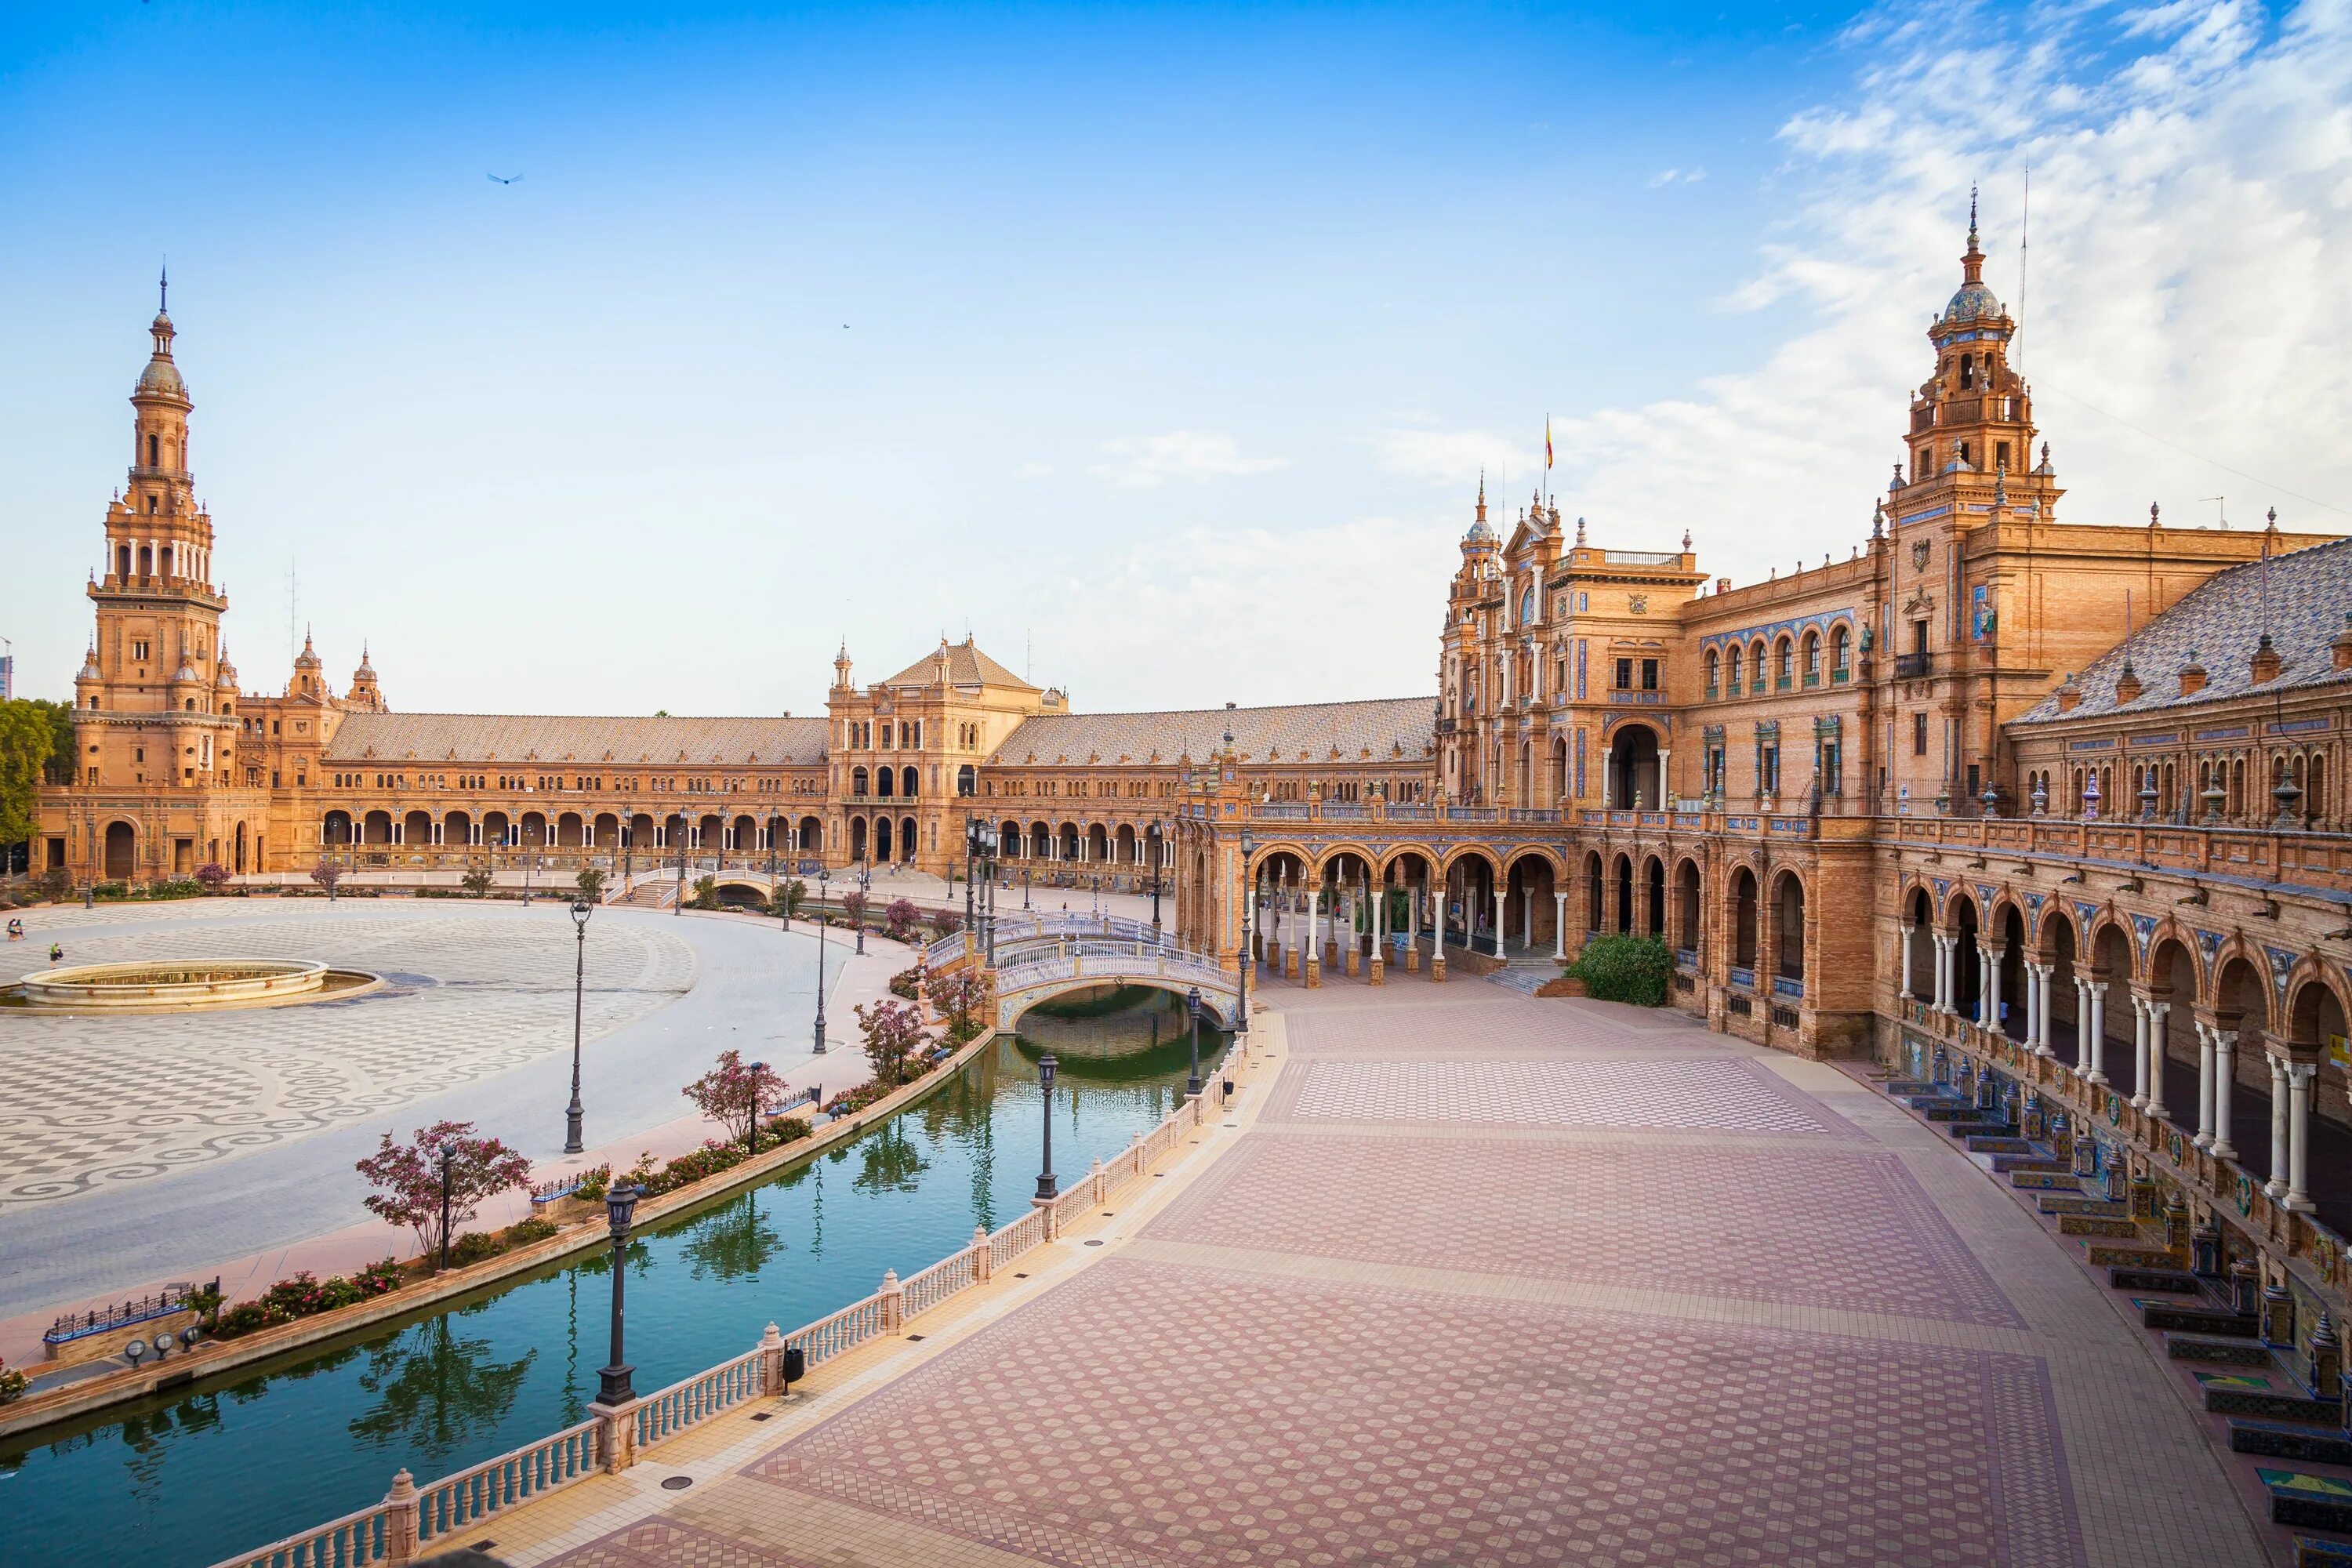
(1921, 603)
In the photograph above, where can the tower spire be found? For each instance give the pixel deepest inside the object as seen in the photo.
(164, 290)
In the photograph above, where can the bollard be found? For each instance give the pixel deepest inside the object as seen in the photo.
(894, 1302)
(771, 1361)
(2326, 1359)
(2278, 1315)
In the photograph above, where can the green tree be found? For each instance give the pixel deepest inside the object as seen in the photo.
(35, 748)
(592, 883)
(477, 882)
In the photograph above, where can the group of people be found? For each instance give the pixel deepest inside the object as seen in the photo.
(17, 933)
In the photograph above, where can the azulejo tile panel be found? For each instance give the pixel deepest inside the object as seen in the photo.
(1113, 1422)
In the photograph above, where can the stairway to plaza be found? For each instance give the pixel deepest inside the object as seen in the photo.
(2279, 1393)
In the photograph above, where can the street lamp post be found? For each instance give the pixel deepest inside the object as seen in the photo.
(580, 910)
(613, 1388)
(1249, 911)
(447, 1152)
(865, 881)
(1024, 887)
(752, 1137)
(988, 848)
(1192, 1006)
(628, 846)
(823, 878)
(1048, 1189)
(684, 833)
(1151, 838)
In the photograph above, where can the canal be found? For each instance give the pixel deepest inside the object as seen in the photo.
(233, 1463)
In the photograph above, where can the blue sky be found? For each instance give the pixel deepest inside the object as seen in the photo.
(1159, 348)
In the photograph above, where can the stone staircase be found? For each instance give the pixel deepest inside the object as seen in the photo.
(2270, 1413)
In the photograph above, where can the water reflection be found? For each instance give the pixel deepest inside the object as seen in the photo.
(276, 1451)
(436, 1389)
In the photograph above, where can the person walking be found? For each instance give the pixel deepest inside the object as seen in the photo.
(56, 953)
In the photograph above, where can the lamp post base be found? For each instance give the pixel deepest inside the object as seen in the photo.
(1049, 1188)
(613, 1388)
(572, 1144)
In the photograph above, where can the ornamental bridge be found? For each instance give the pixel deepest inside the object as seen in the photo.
(1037, 957)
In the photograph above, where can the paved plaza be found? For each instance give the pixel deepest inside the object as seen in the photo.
(1485, 1280)
(152, 1146)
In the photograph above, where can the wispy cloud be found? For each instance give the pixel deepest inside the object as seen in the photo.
(1141, 462)
(2192, 225)
(1033, 470)
(1450, 456)
(1677, 177)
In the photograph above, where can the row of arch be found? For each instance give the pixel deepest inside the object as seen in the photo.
(572, 829)
(2151, 790)
(1789, 658)
(2234, 984)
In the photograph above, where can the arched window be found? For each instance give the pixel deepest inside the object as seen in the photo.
(907, 783)
(1784, 663)
(1813, 658)
(857, 781)
(1756, 673)
(967, 780)
(1714, 670)
(1967, 372)
(152, 460)
(1840, 652)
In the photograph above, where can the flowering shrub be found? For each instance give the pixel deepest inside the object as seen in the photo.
(946, 922)
(303, 1296)
(407, 1178)
(734, 1093)
(893, 1034)
(900, 918)
(12, 1385)
(903, 983)
(788, 1129)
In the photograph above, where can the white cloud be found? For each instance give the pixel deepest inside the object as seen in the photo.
(1247, 635)
(2191, 228)
(1677, 177)
(1141, 462)
(1452, 458)
(1033, 470)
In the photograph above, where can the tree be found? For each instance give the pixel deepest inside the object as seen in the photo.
(326, 873)
(35, 748)
(736, 1094)
(213, 876)
(893, 1030)
(946, 922)
(706, 893)
(853, 903)
(407, 1178)
(955, 992)
(900, 918)
(56, 883)
(787, 899)
(475, 882)
(592, 883)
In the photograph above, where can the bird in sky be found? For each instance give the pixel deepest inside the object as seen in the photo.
(502, 179)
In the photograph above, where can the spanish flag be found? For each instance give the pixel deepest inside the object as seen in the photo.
(1546, 443)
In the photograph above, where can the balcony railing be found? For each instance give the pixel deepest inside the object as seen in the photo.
(1914, 666)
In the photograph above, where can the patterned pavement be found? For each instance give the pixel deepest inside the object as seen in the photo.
(1497, 1282)
(91, 1102)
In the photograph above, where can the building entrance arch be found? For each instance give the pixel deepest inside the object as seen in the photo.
(1635, 769)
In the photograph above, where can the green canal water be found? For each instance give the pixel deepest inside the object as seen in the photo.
(233, 1463)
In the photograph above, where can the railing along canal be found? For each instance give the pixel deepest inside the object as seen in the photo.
(394, 1531)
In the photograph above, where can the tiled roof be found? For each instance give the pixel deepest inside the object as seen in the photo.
(967, 666)
(1303, 732)
(2221, 622)
(566, 738)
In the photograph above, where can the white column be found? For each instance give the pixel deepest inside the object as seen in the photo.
(1908, 933)
(1527, 916)
(1943, 972)
(1560, 925)
(2225, 1078)
(1498, 922)
(2096, 1057)
(1314, 953)
(2204, 1138)
(2156, 1013)
(2281, 1149)
(2140, 1051)
(1413, 919)
(2298, 1077)
(1990, 993)
(2032, 973)
(2048, 972)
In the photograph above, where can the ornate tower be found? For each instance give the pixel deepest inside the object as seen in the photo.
(154, 719)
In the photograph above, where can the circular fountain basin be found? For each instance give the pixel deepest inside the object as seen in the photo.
(180, 986)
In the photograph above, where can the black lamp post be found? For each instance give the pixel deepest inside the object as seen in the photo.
(751, 1138)
(580, 909)
(823, 878)
(684, 831)
(1249, 914)
(865, 881)
(1151, 838)
(970, 859)
(628, 845)
(1048, 1189)
(447, 1152)
(987, 908)
(1024, 887)
(613, 1388)
(1192, 1006)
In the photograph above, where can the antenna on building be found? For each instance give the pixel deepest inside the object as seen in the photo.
(2223, 502)
(163, 290)
(2024, 227)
